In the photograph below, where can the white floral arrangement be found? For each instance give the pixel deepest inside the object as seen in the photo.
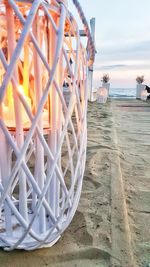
(140, 79)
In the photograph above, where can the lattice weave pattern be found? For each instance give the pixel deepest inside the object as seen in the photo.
(43, 95)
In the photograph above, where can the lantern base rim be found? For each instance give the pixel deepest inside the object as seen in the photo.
(9, 240)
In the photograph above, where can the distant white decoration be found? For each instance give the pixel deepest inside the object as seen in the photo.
(144, 95)
(139, 89)
(102, 95)
(107, 86)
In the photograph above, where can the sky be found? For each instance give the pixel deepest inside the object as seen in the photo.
(122, 38)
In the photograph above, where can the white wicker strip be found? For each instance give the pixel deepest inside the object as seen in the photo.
(43, 96)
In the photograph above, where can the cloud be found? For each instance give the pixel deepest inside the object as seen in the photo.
(127, 47)
(111, 67)
(128, 56)
(127, 50)
(124, 61)
(118, 67)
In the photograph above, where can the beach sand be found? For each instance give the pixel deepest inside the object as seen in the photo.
(112, 224)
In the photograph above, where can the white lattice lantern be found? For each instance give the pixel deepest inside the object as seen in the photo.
(42, 137)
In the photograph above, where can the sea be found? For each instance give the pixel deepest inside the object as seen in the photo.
(122, 92)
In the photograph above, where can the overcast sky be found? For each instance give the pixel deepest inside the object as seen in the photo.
(122, 39)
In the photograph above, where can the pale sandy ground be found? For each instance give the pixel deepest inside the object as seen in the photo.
(112, 224)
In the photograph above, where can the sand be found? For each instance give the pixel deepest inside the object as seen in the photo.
(112, 224)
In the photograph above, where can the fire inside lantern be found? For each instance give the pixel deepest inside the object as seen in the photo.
(26, 68)
(42, 136)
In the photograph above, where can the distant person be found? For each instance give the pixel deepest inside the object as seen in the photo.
(147, 88)
(68, 75)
